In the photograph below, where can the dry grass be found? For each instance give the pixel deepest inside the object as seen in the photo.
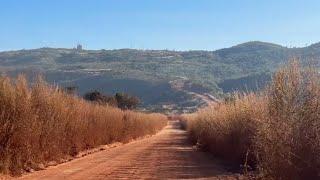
(276, 132)
(288, 142)
(227, 129)
(39, 124)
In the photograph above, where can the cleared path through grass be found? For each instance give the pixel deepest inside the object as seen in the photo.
(167, 154)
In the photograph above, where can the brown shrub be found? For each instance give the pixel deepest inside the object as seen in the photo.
(288, 142)
(228, 129)
(40, 123)
(277, 130)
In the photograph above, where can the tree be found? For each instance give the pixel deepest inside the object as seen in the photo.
(127, 102)
(120, 100)
(100, 98)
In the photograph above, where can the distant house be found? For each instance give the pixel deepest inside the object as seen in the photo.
(79, 47)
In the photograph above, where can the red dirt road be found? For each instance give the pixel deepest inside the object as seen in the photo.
(167, 155)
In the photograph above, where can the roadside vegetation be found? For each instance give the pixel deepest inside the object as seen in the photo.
(274, 133)
(120, 100)
(40, 123)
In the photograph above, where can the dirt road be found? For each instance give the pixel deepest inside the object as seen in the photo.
(165, 155)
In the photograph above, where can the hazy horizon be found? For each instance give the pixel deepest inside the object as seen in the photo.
(85, 48)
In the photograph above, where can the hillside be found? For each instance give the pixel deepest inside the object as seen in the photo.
(163, 79)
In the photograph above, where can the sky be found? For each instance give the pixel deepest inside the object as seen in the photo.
(156, 24)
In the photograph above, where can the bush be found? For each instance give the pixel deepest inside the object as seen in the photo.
(41, 123)
(228, 129)
(276, 132)
(120, 100)
(126, 102)
(288, 142)
(101, 99)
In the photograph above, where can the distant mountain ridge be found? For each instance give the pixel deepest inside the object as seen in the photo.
(162, 78)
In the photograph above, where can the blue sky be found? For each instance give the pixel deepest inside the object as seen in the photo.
(156, 24)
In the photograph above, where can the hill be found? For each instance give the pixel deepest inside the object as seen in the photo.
(163, 79)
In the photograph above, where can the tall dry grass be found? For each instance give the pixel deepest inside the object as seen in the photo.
(228, 129)
(288, 142)
(40, 123)
(276, 132)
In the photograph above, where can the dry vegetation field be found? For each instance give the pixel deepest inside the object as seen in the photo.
(40, 123)
(275, 132)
